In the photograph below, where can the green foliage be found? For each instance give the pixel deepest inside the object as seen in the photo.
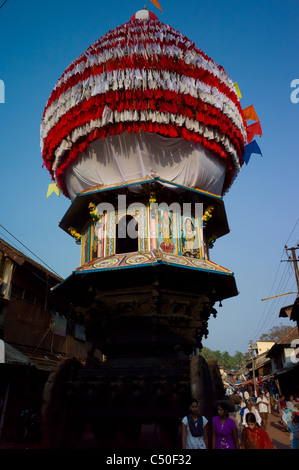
(239, 359)
(276, 333)
(225, 359)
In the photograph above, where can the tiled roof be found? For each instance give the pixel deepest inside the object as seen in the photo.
(20, 258)
(286, 340)
(289, 336)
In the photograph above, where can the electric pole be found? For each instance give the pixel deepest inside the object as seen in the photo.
(253, 367)
(293, 259)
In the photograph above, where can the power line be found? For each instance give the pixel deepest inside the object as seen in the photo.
(292, 230)
(3, 4)
(293, 259)
(273, 306)
(273, 319)
(30, 251)
(267, 315)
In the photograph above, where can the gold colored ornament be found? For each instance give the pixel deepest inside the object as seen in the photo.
(75, 234)
(93, 211)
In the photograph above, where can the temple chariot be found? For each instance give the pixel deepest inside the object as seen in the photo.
(144, 134)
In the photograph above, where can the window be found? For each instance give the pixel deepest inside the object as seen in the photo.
(126, 235)
(17, 291)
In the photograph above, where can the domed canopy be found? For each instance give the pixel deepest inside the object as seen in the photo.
(143, 100)
(144, 15)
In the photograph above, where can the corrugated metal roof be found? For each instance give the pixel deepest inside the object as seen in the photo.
(23, 355)
(13, 356)
(45, 360)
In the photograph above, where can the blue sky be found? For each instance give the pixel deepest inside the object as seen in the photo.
(257, 43)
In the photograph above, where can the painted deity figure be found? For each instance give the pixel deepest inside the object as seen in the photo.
(189, 237)
(165, 231)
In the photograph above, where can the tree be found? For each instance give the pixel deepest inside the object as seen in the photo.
(225, 359)
(240, 359)
(275, 333)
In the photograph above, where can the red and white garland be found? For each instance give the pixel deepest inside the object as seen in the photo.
(146, 76)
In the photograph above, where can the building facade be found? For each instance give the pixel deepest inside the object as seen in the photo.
(37, 331)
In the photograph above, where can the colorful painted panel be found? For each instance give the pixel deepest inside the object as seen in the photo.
(167, 231)
(89, 242)
(151, 258)
(110, 233)
(144, 235)
(190, 240)
(84, 246)
(100, 232)
(140, 228)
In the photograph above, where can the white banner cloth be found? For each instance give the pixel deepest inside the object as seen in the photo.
(127, 157)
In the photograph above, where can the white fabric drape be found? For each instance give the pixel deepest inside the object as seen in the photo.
(127, 157)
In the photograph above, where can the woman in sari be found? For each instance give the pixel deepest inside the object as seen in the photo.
(254, 437)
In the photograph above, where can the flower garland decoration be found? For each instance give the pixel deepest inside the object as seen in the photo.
(93, 212)
(207, 215)
(142, 76)
(76, 235)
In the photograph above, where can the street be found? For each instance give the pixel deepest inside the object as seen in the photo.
(278, 435)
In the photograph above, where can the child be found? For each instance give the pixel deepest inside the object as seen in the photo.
(294, 431)
(254, 437)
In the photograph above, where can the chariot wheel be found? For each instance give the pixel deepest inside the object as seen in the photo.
(62, 423)
(121, 433)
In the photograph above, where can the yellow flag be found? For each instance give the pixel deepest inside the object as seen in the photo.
(157, 4)
(237, 90)
(53, 188)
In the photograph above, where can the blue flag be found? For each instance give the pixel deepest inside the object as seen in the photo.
(249, 149)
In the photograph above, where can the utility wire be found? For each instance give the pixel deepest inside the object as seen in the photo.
(278, 307)
(3, 4)
(292, 230)
(263, 318)
(273, 305)
(30, 251)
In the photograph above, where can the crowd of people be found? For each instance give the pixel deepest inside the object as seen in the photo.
(288, 409)
(248, 429)
(262, 406)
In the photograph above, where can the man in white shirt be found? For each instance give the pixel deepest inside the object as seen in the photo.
(263, 407)
(250, 408)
